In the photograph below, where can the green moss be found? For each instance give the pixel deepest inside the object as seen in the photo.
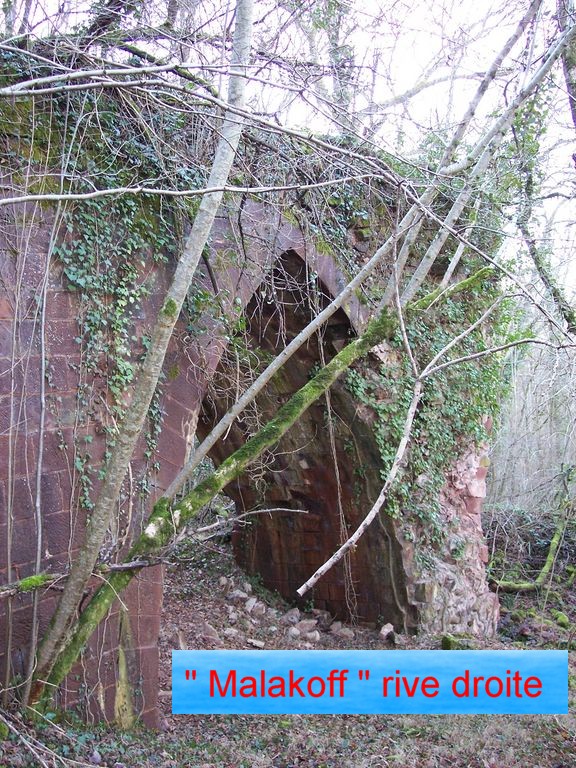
(15, 118)
(124, 714)
(453, 643)
(323, 246)
(170, 308)
(561, 619)
(31, 583)
(468, 284)
(291, 218)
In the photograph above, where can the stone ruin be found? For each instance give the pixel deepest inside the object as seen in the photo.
(271, 282)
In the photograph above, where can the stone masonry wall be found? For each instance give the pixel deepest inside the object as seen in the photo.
(52, 419)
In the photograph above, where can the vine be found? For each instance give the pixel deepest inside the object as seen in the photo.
(453, 408)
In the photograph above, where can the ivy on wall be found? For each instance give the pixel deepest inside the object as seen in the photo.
(453, 410)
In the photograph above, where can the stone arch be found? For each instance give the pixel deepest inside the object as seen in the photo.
(335, 484)
(247, 245)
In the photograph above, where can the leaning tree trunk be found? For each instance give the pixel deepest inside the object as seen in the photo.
(131, 426)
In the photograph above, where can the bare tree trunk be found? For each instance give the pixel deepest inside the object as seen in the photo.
(566, 19)
(131, 426)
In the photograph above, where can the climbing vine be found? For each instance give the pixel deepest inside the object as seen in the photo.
(453, 409)
(104, 253)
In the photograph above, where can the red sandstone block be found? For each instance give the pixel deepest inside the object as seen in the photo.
(60, 377)
(336, 592)
(177, 417)
(20, 377)
(184, 387)
(6, 308)
(34, 268)
(56, 532)
(61, 337)
(51, 493)
(321, 592)
(3, 507)
(153, 575)
(23, 497)
(65, 483)
(23, 455)
(171, 446)
(150, 598)
(6, 331)
(24, 541)
(21, 626)
(310, 540)
(23, 413)
(149, 667)
(29, 337)
(312, 558)
(8, 384)
(3, 539)
(58, 451)
(310, 523)
(61, 410)
(47, 607)
(165, 475)
(364, 612)
(146, 629)
(61, 305)
(150, 717)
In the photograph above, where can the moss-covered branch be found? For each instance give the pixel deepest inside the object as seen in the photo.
(467, 284)
(29, 584)
(531, 586)
(40, 580)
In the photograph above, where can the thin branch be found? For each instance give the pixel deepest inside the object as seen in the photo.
(371, 516)
(111, 191)
(493, 350)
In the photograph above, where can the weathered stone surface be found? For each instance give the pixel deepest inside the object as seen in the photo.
(237, 595)
(211, 634)
(345, 632)
(306, 625)
(250, 603)
(386, 631)
(291, 617)
(286, 547)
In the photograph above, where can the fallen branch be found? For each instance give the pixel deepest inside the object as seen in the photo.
(502, 585)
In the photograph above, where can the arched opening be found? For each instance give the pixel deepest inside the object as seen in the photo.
(322, 478)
